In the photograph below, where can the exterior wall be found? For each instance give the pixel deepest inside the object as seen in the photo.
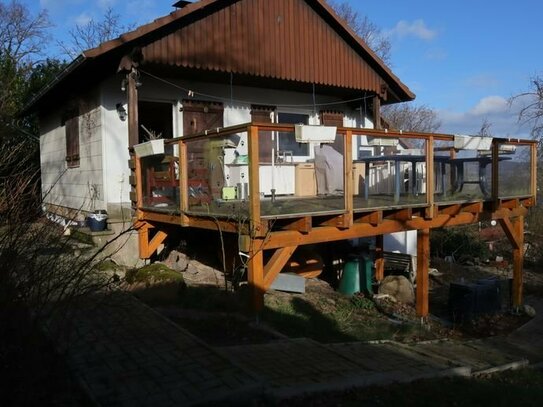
(79, 188)
(116, 172)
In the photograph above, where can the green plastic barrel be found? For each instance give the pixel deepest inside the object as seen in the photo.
(365, 272)
(350, 278)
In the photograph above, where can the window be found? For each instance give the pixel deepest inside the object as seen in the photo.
(287, 141)
(71, 126)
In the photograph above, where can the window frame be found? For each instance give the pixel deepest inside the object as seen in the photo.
(70, 121)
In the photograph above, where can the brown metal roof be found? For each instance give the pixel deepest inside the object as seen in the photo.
(295, 40)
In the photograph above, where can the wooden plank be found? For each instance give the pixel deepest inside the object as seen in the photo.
(423, 261)
(509, 203)
(379, 259)
(335, 221)
(510, 232)
(155, 242)
(276, 263)
(213, 224)
(450, 209)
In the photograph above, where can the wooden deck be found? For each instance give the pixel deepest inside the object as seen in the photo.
(189, 188)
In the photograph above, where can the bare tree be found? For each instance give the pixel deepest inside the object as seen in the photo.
(532, 112)
(93, 33)
(21, 45)
(410, 117)
(364, 28)
(484, 131)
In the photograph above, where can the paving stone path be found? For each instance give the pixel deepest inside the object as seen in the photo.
(126, 354)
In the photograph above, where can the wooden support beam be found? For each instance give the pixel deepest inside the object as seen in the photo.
(373, 218)
(303, 225)
(514, 230)
(509, 203)
(423, 261)
(148, 247)
(337, 221)
(379, 259)
(139, 182)
(159, 217)
(376, 112)
(255, 278)
(450, 209)
(275, 265)
(400, 214)
(518, 262)
(327, 233)
(474, 207)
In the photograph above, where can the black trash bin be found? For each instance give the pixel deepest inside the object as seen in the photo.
(97, 221)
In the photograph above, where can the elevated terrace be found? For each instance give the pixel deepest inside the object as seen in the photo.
(331, 184)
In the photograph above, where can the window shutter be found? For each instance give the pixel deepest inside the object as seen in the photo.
(71, 124)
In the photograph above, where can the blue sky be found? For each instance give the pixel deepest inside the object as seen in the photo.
(462, 58)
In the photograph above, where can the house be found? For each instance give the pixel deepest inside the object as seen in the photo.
(263, 113)
(209, 64)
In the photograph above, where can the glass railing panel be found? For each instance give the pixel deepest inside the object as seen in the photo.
(218, 175)
(389, 172)
(160, 182)
(514, 170)
(304, 180)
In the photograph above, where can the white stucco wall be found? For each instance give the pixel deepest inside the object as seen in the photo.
(78, 188)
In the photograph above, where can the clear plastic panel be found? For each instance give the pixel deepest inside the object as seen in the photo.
(160, 182)
(444, 171)
(470, 176)
(300, 181)
(514, 165)
(218, 176)
(389, 172)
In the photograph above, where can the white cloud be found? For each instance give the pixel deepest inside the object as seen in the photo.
(490, 105)
(495, 110)
(105, 4)
(417, 29)
(83, 19)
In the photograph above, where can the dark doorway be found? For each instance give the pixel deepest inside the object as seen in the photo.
(157, 118)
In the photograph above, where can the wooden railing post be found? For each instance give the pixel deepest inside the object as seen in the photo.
(348, 178)
(430, 177)
(423, 261)
(254, 182)
(183, 183)
(533, 172)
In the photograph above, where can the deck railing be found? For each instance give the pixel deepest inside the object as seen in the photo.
(257, 170)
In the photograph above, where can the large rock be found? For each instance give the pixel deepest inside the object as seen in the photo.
(177, 261)
(398, 287)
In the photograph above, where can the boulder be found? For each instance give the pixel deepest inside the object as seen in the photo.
(398, 287)
(177, 261)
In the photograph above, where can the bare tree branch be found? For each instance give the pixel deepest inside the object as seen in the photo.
(410, 117)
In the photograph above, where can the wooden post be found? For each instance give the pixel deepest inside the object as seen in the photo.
(533, 172)
(254, 182)
(255, 277)
(430, 177)
(423, 260)
(132, 97)
(376, 112)
(379, 259)
(514, 230)
(518, 262)
(348, 178)
(183, 183)
(139, 186)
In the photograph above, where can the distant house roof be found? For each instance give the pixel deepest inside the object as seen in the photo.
(302, 41)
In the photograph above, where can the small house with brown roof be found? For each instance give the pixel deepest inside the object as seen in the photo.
(255, 119)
